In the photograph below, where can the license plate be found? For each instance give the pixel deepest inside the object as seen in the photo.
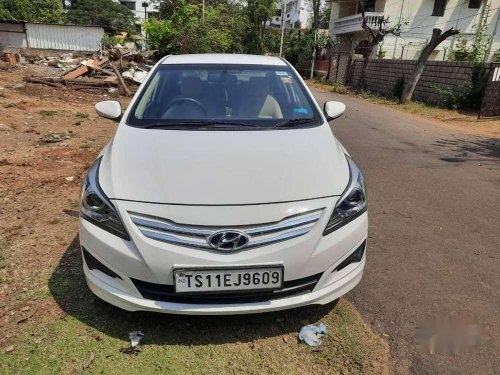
(226, 280)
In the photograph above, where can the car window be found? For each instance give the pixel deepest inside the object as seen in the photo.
(262, 96)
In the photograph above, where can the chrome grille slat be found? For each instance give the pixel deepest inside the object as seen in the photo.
(196, 236)
(285, 224)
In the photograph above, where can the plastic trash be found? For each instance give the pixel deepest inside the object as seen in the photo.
(312, 335)
(135, 337)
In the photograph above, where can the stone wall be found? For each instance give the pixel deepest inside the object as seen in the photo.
(382, 75)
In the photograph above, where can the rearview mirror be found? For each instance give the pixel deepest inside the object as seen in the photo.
(333, 110)
(111, 109)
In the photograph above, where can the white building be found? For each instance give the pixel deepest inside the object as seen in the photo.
(298, 14)
(421, 17)
(141, 12)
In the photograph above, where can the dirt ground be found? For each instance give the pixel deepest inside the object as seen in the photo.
(48, 138)
(49, 320)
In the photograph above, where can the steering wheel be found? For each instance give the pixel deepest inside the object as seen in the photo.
(189, 100)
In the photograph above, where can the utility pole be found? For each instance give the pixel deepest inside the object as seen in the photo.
(145, 5)
(282, 26)
(399, 21)
(311, 74)
(203, 10)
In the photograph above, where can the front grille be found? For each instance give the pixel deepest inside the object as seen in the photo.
(166, 293)
(196, 236)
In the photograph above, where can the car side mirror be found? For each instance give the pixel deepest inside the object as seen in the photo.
(111, 109)
(333, 110)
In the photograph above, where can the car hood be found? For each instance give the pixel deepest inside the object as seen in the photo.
(223, 167)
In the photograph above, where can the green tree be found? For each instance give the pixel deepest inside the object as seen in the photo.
(159, 35)
(301, 47)
(324, 16)
(186, 31)
(477, 50)
(111, 16)
(43, 11)
(258, 13)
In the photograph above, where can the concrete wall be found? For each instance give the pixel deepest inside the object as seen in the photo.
(12, 35)
(382, 75)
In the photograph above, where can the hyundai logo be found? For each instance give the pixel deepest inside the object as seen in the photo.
(228, 240)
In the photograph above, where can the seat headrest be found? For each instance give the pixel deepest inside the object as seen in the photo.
(258, 86)
(191, 86)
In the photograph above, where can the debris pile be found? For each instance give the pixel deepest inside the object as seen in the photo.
(116, 69)
(11, 57)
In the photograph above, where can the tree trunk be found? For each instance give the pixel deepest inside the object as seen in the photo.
(362, 77)
(436, 39)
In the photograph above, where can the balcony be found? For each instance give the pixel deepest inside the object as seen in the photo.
(352, 24)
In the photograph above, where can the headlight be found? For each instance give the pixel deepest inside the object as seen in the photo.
(352, 202)
(97, 208)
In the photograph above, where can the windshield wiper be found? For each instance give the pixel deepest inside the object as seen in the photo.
(294, 122)
(199, 123)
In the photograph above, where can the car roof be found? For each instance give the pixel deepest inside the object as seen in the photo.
(222, 58)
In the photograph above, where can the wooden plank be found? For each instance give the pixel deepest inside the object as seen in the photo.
(121, 81)
(112, 79)
(78, 72)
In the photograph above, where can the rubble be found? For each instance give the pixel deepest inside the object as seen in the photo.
(119, 69)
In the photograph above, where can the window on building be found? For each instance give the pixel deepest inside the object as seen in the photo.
(369, 6)
(129, 4)
(439, 6)
(475, 4)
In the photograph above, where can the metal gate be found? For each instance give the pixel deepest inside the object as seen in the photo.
(490, 105)
(340, 67)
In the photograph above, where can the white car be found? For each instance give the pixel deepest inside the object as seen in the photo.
(223, 191)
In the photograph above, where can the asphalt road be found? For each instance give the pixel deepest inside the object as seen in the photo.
(434, 246)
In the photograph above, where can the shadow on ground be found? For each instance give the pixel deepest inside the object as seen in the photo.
(475, 148)
(68, 287)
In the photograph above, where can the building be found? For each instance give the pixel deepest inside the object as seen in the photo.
(142, 9)
(421, 17)
(298, 14)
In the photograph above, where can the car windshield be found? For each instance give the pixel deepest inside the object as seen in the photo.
(227, 96)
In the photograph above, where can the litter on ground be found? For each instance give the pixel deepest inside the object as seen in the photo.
(312, 335)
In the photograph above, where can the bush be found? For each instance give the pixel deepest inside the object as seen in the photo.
(467, 95)
(398, 88)
(496, 56)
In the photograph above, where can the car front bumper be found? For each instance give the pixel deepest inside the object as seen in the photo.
(151, 263)
(100, 285)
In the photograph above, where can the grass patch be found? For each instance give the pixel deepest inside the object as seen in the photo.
(253, 344)
(77, 123)
(82, 115)
(5, 244)
(74, 204)
(422, 109)
(195, 345)
(47, 113)
(33, 295)
(8, 105)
